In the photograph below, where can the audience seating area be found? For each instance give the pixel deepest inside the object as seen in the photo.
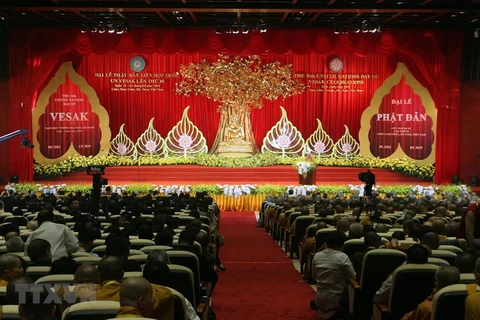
(301, 226)
(130, 217)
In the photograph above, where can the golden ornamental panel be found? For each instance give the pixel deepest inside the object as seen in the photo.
(150, 143)
(346, 147)
(319, 144)
(122, 145)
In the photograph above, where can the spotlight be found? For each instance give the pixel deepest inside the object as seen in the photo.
(235, 28)
(263, 27)
(355, 28)
(101, 28)
(218, 30)
(379, 27)
(94, 28)
(84, 28)
(119, 28)
(476, 33)
(245, 29)
(345, 29)
(336, 29)
(26, 143)
(364, 26)
(128, 28)
(111, 28)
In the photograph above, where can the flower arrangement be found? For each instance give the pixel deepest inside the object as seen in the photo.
(237, 191)
(79, 163)
(305, 167)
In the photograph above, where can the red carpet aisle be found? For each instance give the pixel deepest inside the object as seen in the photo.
(260, 281)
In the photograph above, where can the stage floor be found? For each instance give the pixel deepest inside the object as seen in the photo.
(194, 174)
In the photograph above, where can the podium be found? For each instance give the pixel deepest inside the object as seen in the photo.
(310, 179)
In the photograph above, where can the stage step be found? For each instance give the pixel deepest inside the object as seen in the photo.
(194, 174)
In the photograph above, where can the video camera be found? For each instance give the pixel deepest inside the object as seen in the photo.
(369, 179)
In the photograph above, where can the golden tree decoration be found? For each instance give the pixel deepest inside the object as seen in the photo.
(239, 84)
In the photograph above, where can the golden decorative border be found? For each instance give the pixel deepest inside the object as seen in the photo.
(376, 102)
(67, 69)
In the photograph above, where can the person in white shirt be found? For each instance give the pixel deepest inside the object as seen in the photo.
(331, 269)
(61, 238)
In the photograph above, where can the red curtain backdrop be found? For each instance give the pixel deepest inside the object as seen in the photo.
(434, 58)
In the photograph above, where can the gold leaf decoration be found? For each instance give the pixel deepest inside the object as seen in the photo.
(150, 143)
(284, 138)
(122, 146)
(185, 139)
(346, 147)
(319, 143)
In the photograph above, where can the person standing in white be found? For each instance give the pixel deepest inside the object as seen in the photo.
(331, 269)
(61, 238)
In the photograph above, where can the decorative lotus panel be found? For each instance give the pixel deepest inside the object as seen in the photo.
(319, 143)
(185, 139)
(346, 147)
(150, 143)
(283, 138)
(122, 146)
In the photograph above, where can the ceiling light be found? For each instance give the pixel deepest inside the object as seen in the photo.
(476, 33)
(364, 27)
(94, 28)
(101, 28)
(111, 28)
(84, 28)
(218, 30)
(462, 12)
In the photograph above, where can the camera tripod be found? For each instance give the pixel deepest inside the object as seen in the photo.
(369, 203)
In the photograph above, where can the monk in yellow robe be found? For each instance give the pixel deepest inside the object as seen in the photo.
(472, 307)
(445, 276)
(111, 274)
(136, 298)
(10, 268)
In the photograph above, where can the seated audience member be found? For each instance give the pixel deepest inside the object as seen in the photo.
(32, 225)
(331, 269)
(118, 247)
(136, 298)
(186, 242)
(444, 276)
(35, 306)
(61, 239)
(474, 287)
(439, 227)
(158, 273)
(371, 241)
(381, 228)
(15, 244)
(145, 232)
(86, 273)
(39, 253)
(85, 241)
(396, 236)
(475, 248)
(64, 265)
(432, 240)
(111, 273)
(408, 225)
(12, 295)
(343, 225)
(355, 231)
(416, 254)
(10, 268)
(472, 307)
(158, 255)
(469, 224)
(465, 262)
(164, 238)
(11, 235)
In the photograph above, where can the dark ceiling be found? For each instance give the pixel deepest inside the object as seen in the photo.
(275, 14)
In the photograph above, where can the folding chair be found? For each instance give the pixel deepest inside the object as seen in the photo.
(93, 310)
(377, 265)
(403, 297)
(137, 244)
(352, 246)
(446, 255)
(149, 249)
(449, 303)
(437, 261)
(35, 272)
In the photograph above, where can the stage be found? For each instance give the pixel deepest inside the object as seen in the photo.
(195, 174)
